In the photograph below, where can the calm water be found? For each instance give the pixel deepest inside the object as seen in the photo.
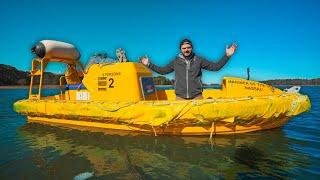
(35, 151)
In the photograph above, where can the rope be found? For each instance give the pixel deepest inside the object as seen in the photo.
(115, 109)
(154, 131)
(181, 113)
(213, 129)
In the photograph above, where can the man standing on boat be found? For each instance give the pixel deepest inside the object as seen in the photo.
(187, 67)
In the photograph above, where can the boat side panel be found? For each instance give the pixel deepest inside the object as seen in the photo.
(207, 94)
(217, 129)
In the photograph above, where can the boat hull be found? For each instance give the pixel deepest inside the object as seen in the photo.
(216, 129)
(194, 117)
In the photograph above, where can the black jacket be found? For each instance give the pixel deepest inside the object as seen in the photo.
(188, 73)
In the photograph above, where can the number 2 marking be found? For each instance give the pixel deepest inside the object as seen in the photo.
(111, 84)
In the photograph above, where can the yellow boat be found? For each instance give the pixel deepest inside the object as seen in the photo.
(122, 96)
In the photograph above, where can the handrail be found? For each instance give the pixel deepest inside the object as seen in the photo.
(60, 85)
(36, 71)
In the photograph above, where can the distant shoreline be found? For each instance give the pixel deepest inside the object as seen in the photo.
(27, 87)
(57, 86)
(293, 85)
(11, 75)
(267, 84)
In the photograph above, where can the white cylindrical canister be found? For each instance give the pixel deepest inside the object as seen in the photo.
(51, 49)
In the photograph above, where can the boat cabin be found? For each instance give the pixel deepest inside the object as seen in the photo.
(119, 80)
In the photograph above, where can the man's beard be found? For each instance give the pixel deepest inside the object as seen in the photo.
(187, 53)
(189, 56)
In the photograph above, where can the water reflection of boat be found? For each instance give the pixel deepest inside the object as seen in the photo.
(144, 156)
(122, 96)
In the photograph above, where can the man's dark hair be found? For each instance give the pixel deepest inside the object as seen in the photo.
(185, 41)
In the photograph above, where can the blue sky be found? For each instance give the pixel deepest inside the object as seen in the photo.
(276, 38)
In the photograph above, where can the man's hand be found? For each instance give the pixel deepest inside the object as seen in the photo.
(230, 51)
(144, 60)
